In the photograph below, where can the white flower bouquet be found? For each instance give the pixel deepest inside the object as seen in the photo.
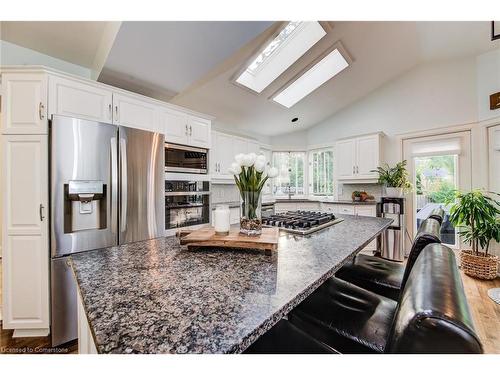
(250, 174)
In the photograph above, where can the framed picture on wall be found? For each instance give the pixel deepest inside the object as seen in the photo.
(495, 30)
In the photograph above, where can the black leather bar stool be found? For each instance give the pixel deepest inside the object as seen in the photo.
(383, 276)
(432, 315)
(285, 338)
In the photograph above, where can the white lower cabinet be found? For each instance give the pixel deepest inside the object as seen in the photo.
(25, 247)
(351, 209)
(86, 344)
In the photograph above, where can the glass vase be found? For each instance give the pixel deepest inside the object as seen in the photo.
(250, 215)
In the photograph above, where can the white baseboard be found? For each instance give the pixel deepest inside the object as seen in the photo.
(31, 332)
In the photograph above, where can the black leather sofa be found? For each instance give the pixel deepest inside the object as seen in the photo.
(383, 276)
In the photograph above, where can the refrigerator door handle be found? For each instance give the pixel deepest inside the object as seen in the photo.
(114, 185)
(123, 172)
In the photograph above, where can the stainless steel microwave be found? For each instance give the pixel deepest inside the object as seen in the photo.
(185, 159)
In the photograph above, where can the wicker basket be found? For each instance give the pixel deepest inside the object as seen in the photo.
(481, 266)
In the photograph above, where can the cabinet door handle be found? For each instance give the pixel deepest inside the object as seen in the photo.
(186, 130)
(357, 169)
(190, 130)
(41, 212)
(353, 169)
(116, 112)
(110, 111)
(41, 107)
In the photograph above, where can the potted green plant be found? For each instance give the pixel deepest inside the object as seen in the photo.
(474, 214)
(250, 174)
(356, 196)
(395, 179)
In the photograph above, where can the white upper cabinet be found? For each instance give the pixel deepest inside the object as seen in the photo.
(224, 154)
(345, 152)
(199, 132)
(357, 157)
(76, 99)
(224, 149)
(185, 129)
(135, 113)
(240, 146)
(175, 126)
(367, 156)
(24, 103)
(254, 147)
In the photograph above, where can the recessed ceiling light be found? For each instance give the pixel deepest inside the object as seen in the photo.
(327, 68)
(295, 39)
(295, 119)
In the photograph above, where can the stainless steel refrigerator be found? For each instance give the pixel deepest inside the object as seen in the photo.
(107, 188)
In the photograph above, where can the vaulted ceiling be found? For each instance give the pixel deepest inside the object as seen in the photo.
(193, 63)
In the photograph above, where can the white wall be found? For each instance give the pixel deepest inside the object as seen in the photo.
(290, 141)
(488, 82)
(429, 96)
(12, 54)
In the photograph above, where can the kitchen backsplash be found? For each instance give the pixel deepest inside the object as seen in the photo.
(224, 193)
(347, 189)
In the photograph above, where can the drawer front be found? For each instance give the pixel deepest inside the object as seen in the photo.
(345, 209)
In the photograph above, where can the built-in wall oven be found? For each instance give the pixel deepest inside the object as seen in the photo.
(186, 203)
(185, 159)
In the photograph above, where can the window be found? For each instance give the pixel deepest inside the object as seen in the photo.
(321, 172)
(295, 39)
(291, 178)
(327, 68)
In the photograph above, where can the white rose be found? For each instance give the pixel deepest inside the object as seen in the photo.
(260, 165)
(236, 168)
(239, 158)
(272, 172)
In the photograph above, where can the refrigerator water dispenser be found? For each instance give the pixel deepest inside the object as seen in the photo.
(84, 206)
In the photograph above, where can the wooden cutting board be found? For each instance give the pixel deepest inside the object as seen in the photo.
(206, 237)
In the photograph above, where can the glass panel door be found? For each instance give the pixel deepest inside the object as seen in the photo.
(438, 165)
(435, 180)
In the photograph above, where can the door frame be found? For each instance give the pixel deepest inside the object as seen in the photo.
(464, 172)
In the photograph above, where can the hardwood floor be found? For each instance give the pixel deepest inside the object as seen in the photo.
(485, 312)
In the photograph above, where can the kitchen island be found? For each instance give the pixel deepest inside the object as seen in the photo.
(158, 297)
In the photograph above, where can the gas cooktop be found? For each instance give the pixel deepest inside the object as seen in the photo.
(301, 222)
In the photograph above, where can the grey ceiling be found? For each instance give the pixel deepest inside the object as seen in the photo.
(172, 55)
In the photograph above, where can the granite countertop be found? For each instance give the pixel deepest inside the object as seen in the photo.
(158, 297)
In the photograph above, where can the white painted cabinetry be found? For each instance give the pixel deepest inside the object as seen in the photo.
(356, 158)
(135, 113)
(185, 129)
(224, 148)
(76, 99)
(29, 96)
(25, 234)
(24, 103)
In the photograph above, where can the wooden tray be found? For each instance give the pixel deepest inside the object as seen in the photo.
(206, 237)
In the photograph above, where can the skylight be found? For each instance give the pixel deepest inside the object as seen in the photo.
(295, 39)
(327, 68)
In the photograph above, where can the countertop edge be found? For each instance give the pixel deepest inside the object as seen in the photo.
(271, 321)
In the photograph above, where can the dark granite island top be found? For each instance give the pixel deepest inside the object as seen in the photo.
(158, 297)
